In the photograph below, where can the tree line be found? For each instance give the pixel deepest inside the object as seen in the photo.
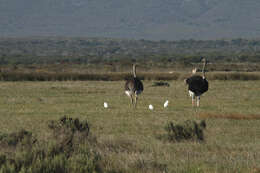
(49, 50)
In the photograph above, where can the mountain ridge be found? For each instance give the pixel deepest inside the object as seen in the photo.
(137, 19)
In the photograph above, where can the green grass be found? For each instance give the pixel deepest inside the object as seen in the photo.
(128, 138)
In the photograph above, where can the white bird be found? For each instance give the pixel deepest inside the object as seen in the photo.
(151, 107)
(166, 104)
(105, 105)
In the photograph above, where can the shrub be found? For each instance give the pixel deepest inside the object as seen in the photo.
(233, 76)
(163, 76)
(2, 160)
(67, 133)
(151, 166)
(70, 123)
(161, 83)
(69, 149)
(188, 130)
(21, 137)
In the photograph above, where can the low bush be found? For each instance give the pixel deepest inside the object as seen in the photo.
(21, 137)
(70, 123)
(117, 76)
(188, 130)
(160, 83)
(233, 76)
(69, 149)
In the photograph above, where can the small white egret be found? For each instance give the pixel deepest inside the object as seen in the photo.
(166, 104)
(105, 105)
(151, 107)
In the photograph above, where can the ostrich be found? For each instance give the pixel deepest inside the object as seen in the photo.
(133, 87)
(197, 85)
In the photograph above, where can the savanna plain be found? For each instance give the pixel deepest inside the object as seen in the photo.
(128, 139)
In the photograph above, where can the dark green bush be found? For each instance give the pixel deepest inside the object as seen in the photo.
(160, 83)
(70, 123)
(149, 166)
(22, 137)
(44, 76)
(70, 149)
(233, 76)
(188, 130)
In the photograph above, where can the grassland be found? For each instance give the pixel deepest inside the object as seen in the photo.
(130, 138)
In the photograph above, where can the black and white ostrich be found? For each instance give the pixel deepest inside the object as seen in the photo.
(197, 85)
(133, 87)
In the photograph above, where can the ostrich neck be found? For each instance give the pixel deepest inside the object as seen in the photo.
(134, 71)
(203, 69)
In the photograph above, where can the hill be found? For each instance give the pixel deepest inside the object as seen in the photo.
(138, 19)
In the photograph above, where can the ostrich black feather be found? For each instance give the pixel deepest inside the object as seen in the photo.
(197, 84)
(134, 84)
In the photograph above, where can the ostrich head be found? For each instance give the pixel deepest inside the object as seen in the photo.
(203, 60)
(194, 70)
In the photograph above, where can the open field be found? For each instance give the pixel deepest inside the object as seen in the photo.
(130, 137)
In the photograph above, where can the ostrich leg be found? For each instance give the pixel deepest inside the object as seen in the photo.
(198, 101)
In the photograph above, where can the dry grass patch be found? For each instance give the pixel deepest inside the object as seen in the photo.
(230, 116)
